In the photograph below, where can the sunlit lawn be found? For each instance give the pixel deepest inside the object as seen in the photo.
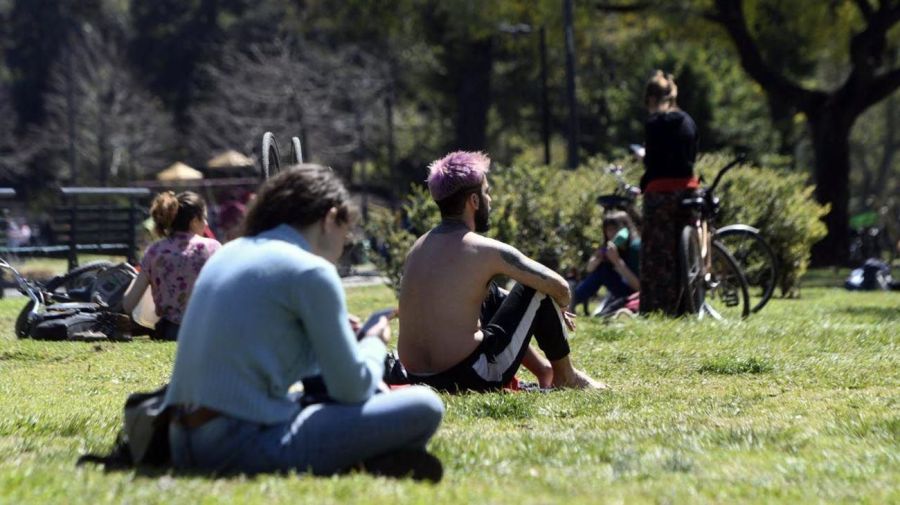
(801, 403)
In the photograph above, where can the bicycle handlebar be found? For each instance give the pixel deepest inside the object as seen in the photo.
(733, 163)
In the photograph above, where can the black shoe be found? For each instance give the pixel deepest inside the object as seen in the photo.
(411, 463)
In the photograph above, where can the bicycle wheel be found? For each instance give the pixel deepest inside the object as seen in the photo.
(690, 263)
(726, 287)
(23, 326)
(755, 257)
(78, 282)
(296, 151)
(269, 156)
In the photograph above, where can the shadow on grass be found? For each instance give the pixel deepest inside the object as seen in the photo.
(880, 313)
(731, 365)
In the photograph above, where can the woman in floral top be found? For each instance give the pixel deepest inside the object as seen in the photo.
(171, 265)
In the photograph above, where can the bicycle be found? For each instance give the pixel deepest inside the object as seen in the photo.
(623, 197)
(270, 159)
(712, 281)
(749, 249)
(81, 290)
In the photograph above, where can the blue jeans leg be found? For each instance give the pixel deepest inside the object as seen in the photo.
(604, 275)
(588, 287)
(322, 439)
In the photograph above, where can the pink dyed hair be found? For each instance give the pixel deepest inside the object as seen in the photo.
(456, 171)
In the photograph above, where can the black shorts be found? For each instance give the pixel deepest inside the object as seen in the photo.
(512, 319)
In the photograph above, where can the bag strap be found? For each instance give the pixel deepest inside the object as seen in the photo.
(119, 457)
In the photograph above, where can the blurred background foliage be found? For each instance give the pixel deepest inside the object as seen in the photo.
(379, 88)
(551, 214)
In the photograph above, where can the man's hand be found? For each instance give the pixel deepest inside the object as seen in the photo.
(564, 302)
(569, 319)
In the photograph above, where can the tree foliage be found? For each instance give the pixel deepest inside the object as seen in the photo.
(772, 78)
(334, 108)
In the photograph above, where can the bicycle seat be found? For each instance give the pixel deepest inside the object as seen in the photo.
(615, 201)
(696, 201)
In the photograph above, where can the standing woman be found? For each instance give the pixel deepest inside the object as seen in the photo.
(671, 149)
(269, 311)
(171, 265)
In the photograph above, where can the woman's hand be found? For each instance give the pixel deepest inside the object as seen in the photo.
(595, 260)
(381, 329)
(620, 266)
(355, 323)
(612, 253)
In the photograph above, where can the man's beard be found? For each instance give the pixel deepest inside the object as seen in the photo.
(482, 216)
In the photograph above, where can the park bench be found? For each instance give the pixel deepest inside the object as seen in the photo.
(87, 220)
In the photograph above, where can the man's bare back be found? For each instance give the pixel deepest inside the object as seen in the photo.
(444, 282)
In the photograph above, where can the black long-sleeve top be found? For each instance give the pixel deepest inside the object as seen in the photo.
(671, 144)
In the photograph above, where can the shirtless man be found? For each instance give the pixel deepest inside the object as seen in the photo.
(459, 331)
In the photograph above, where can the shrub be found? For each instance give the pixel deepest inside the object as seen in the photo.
(551, 215)
(777, 202)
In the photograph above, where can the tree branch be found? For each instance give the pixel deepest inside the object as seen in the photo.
(882, 87)
(865, 8)
(730, 14)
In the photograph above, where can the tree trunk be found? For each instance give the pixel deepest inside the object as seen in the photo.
(473, 98)
(830, 131)
(891, 143)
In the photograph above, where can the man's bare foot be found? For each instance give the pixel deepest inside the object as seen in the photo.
(545, 377)
(578, 380)
(539, 366)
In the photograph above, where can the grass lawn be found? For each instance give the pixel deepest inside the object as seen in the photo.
(801, 403)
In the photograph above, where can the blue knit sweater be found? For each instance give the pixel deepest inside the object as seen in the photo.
(266, 312)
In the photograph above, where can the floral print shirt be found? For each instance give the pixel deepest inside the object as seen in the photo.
(172, 265)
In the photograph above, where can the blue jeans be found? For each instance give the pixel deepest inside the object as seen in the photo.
(603, 275)
(323, 438)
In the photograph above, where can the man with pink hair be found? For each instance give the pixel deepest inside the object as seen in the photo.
(458, 330)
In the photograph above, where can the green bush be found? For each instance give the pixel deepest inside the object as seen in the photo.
(779, 203)
(551, 215)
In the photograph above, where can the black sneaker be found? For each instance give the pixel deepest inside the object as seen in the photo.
(416, 464)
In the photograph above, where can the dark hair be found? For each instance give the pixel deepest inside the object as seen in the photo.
(298, 196)
(661, 86)
(173, 213)
(620, 219)
(454, 204)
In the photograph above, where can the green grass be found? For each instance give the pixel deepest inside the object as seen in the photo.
(45, 268)
(801, 403)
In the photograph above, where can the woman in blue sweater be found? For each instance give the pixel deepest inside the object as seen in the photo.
(267, 311)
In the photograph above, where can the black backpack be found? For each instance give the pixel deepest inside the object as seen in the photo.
(97, 319)
(874, 275)
(143, 440)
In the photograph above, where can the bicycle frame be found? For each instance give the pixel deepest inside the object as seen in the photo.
(706, 207)
(28, 289)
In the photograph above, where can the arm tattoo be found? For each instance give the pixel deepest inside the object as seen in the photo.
(516, 260)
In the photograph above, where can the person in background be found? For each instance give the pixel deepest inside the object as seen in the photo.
(671, 149)
(170, 266)
(269, 311)
(231, 214)
(615, 265)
